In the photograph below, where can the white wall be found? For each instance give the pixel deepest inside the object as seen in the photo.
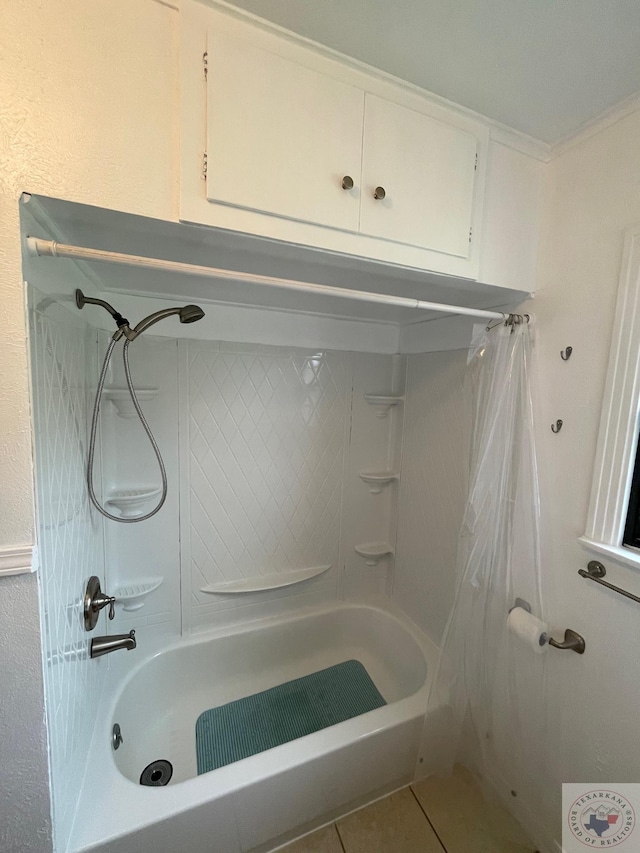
(88, 111)
(593, 197)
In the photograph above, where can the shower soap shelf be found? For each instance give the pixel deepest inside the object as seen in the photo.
(121, 399)
(373, 552)
(131, 503)
(133, 595)
(277, 580)
(383, 402)
(378, 479)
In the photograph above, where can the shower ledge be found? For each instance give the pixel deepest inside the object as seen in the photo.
(132, 595)
(121, 399)
(373, 552)
(131, 503)
(378, 479)
(383, 402)
(264, 583)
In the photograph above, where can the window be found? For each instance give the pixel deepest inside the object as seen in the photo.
(631, 538)
(613, 522)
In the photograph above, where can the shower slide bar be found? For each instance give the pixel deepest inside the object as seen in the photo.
(51, 248)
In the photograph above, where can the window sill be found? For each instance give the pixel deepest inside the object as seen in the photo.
(615, 552)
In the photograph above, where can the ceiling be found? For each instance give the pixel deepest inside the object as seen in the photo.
(544, 67)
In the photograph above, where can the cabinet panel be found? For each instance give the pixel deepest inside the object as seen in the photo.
(280, 136)
(427, 169)
(511, 222)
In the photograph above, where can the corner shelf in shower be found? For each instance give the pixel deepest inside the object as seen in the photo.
(264, 583)
(121, 399)
(133, 595)
(378, 479)
(383, 402)
(131, 503)
(373, 552)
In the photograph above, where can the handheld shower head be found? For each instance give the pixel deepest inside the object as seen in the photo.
(191, 313)
(186, 314)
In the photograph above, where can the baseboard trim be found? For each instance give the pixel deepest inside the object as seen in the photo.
(20, 560)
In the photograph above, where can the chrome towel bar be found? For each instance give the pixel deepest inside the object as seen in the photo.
(595, 571)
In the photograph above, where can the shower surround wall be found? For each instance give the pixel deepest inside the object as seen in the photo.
(70, 543)
(263, 447)
(266, 438)
(435, 448)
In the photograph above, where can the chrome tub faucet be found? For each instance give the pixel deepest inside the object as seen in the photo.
(105, 645)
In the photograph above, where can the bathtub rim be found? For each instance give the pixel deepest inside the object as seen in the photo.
(107, 794)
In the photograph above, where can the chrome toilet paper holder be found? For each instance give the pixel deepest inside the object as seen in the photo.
(573, 641)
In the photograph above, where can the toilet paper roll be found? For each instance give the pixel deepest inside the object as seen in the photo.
(529, 630)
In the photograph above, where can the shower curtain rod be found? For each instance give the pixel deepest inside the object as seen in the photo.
(53, 249)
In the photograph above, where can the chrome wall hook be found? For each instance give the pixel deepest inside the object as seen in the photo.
(557, 426)
(565, 354)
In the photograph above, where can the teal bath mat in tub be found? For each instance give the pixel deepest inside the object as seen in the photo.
(284, 713)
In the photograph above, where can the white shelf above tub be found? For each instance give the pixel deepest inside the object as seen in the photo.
(133, 595)
(264, 583)
(383, 402)
(377, 480)
(132, 503)
(121, 398)
(373, 552)
(248, 258)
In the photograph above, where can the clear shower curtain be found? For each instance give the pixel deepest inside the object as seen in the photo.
(489, 685)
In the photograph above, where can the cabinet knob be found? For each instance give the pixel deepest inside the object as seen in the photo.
(347, 182)
(379, 193)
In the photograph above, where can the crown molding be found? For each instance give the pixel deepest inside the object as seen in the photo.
(596, 125)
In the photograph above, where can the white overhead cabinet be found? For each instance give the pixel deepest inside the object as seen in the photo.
(281, 137)
(286, 141)
(418, 177)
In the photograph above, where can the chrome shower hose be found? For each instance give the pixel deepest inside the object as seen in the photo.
(143, 421)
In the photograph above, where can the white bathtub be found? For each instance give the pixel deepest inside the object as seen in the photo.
(266, 799)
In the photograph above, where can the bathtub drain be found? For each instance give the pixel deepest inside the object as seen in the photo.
(157, 773)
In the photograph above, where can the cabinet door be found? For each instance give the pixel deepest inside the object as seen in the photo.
(281, 136)
(427, 170)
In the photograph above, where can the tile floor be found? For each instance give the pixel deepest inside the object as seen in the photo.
(433, 816)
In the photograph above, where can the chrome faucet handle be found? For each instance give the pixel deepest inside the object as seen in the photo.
(101, 600)
(94, 601)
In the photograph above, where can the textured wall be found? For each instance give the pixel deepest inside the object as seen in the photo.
(24, 782)
(88, 111)
(433, 487)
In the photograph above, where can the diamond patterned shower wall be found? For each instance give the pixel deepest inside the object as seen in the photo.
(267, 436)
(63, 356)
